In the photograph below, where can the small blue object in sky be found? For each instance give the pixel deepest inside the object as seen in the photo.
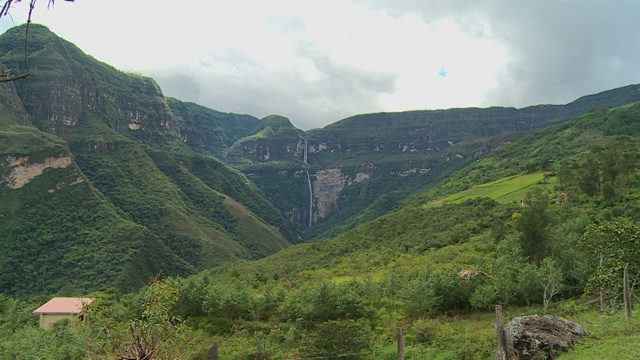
(442, 72)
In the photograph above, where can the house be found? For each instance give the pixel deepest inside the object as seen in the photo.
(60, 308)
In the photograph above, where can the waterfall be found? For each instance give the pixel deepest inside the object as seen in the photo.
(304, 158)
(310, 198)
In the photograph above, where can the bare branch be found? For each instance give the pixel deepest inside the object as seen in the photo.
(4, 12)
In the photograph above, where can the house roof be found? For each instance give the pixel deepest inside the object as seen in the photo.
(63, 305)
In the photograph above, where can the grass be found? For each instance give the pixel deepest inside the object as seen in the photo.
(504, 190)
(610, 337)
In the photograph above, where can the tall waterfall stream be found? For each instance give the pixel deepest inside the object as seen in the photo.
(304, 159)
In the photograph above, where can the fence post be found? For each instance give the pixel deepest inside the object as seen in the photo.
(400, 343)
(627, 292)
(213, 352)
(501, 351)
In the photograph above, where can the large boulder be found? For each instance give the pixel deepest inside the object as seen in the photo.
(540, 337)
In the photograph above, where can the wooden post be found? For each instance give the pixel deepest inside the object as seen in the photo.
(601, 292)
(213, 352)
(627, 292)
(501, 351)
(400, 343)
(86, 319)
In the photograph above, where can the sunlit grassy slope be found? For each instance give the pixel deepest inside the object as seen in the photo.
(504, 190)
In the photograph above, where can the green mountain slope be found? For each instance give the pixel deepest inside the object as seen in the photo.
(160, 164)
(59, 231)
(209, 131)
(457, 225)
(435, 265)
(110, 157)
(364, 166)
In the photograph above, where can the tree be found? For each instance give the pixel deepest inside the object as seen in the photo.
(344, 339)
(551, 279)
(614, 244)
(139, 326)
(533, 226)
(590, 176)
(510, 278)
(565, 175)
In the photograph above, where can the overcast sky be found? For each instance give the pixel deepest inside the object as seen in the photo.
(317, 62)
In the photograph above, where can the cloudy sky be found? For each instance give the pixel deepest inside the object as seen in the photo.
(317, 62)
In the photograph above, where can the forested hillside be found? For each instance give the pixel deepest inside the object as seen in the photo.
(98, 188)
(557, 210)
(162, 165)
(332, 179)
(539, 225)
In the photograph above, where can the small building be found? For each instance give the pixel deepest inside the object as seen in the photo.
(60, 308)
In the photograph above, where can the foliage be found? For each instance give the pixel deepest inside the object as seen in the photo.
(533, 226)
(614, 244)
(326, 301)
(348, 338)
(145, 195)
(153, 333)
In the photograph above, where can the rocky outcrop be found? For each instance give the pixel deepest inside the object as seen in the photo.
(540, 337)
(327, 186)
(73, 89)
(22, 172)
(10, 104)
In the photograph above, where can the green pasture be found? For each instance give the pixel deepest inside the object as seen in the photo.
(504, 190)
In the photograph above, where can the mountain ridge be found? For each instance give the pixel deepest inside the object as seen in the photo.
(207, 187)
(105, 145)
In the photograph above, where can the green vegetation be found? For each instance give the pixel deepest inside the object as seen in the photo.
(504, 190)
(103, 196)
(457, 211)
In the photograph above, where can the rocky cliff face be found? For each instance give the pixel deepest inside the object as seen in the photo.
(69, 88)
(11, 106)
(98, 185)
(355, 161)
(328, 184)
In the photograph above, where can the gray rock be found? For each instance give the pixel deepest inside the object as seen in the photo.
(540, 337)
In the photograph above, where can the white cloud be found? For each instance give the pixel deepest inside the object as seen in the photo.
(317, 62)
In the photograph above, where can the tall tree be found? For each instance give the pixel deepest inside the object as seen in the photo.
(614, 244)
(533, 226)
(590, 176)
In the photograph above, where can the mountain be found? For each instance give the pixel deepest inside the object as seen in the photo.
(457, 212)
(554, 211)
(97, 186)
(417, 259)
(331, 179)
(106, 182)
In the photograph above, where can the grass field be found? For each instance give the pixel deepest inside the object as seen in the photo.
(609, 337)
(472, 335)
(505, 190)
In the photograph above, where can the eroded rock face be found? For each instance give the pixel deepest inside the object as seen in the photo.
(326, 190)
(540, 337)
(22, 171)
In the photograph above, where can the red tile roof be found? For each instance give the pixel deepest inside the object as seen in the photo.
(63, 305)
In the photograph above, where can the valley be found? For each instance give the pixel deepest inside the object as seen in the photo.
(191, 226)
